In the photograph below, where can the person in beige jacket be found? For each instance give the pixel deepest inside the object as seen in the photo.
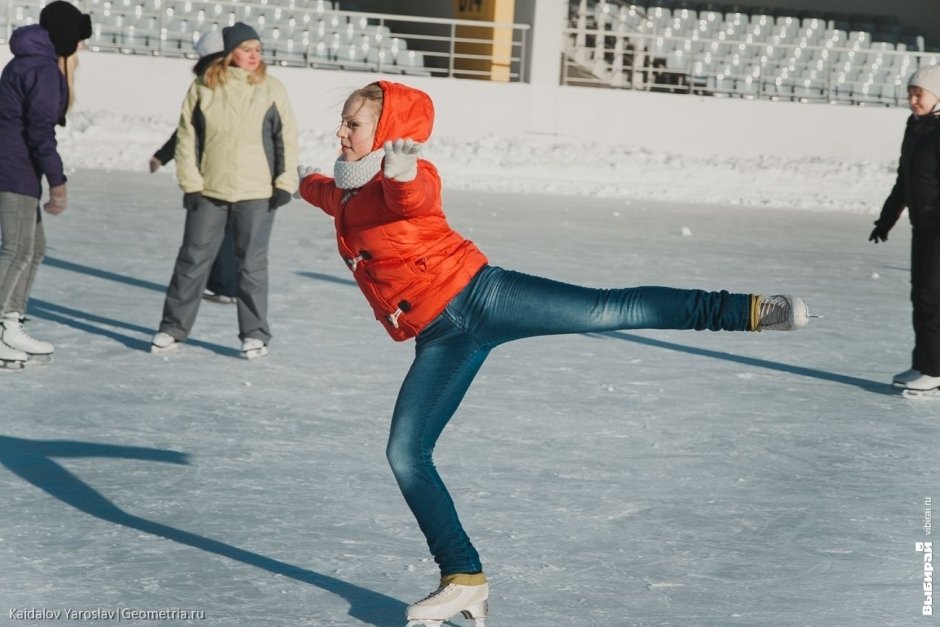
(236, 161)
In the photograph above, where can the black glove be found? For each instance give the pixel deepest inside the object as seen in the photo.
(279, 198)
(191, 199)
(878, 234)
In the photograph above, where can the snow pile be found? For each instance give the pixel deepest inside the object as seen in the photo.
(542, 164)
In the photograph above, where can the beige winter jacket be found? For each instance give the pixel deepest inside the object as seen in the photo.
(237, 141)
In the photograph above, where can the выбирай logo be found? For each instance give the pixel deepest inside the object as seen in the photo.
(927, 549)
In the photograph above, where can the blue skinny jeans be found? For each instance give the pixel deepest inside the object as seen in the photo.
(498, 306)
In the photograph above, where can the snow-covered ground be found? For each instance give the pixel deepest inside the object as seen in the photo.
(641, 478)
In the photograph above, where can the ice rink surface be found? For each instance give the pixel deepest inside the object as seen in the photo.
(631, 478)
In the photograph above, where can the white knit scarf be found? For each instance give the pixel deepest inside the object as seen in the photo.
(355, 174)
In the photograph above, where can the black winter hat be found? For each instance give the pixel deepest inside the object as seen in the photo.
(236, 34)
(66, 25)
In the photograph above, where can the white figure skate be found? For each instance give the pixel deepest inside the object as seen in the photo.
(15, 337)
(923, 387)
(253, 348)
(163, 343)
(782, 313)
(11, 359)
(901, 379)
(452, 598)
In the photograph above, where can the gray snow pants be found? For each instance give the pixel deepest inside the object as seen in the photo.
(21, 251)
(252, 221)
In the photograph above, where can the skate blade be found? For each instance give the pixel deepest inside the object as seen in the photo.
(40, 360)
(12, 366)
(921, 395)
(220, 300)
(166, 350)
(478, 621)
(255, 353)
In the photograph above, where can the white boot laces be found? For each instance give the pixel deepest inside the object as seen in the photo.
(435, 593)
(16, 326)
(773, 311)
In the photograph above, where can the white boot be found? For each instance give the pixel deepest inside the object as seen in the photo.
(922, 383)
(457, 594)
(13, 335)
(163, 343)
(781, 313)
(253, 348)
(11, 359)
(901, 379)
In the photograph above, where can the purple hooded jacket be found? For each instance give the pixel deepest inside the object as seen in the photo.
(33, 98)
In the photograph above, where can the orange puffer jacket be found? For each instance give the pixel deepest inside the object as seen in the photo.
(393, 235)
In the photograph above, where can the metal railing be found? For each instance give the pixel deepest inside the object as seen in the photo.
(303, 33)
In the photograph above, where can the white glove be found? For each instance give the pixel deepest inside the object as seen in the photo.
(401, 159)
(303, 171)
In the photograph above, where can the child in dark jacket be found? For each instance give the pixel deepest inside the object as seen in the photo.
(35, 93)
(425, 281)
(918, 188)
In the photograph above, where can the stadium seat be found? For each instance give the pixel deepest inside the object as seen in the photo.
(788, 21)
(748, 87)
(835, 38)
(377, 34)
(859, 39)
(381, 60)
(659, 16)
(678, 60)
(319, 51)
(604, 13)
(631, 16)
(412, 62)
(710, 21)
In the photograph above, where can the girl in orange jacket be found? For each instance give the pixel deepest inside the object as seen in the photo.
(424, 280)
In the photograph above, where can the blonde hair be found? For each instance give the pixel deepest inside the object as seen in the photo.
(68, 65)
(217, 72)
(371, 95)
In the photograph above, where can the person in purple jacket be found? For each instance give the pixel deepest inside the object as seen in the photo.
(35, 94)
